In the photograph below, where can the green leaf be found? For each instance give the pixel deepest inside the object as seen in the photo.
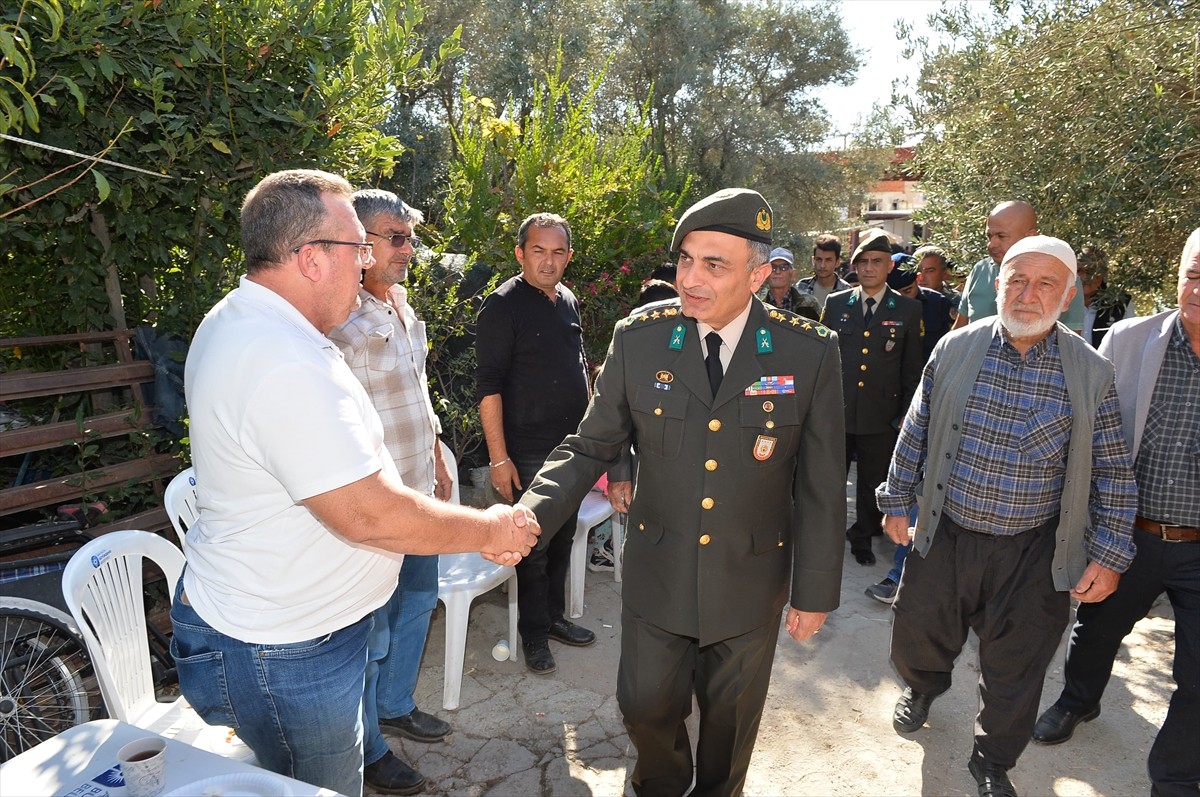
(102, 187)
(220, 146)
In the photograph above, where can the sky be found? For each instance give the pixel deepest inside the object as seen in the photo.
(871, 25)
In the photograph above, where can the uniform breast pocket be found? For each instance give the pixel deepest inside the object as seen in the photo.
(381, 355)
(1044, 437)
(770, 428)
(658, 416)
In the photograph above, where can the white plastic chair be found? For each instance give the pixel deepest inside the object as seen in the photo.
(594, 510)
(462, 577)
(102, 585)
(180, 502)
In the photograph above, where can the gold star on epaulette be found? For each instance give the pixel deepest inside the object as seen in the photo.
(795, 321)
(807, 326)
(656, 314)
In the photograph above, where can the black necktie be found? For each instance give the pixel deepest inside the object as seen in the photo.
(713, 361)
(870, 311)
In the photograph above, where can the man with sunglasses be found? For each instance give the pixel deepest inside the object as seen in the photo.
(385, 345)
(304, 519)
(781, 293)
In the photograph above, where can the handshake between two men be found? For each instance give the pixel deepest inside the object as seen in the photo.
(381, 512)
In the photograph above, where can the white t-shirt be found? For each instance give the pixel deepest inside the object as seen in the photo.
(276, 416)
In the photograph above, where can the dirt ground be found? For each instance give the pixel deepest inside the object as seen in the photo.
(826, 729)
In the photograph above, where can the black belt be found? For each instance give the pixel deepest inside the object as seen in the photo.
(1167, 532)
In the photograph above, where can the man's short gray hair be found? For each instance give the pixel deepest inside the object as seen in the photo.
(759, 253)
(283, 211)
(371, 203)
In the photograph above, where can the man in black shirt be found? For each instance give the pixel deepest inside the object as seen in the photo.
(531, 379)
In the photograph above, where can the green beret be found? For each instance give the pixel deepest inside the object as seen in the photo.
(736, 211)
(875, 240)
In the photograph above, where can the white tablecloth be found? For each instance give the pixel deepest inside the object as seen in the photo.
(74, 762)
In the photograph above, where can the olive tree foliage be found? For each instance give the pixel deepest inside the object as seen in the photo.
(201, 97)
(1089, 109)
(728, 84)
(553, 157)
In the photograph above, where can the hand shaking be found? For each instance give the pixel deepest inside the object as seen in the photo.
(517, 531)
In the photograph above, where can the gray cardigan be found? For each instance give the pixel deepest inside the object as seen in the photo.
(956, 363)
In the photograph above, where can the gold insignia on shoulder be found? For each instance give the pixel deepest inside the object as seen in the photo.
(796, 321)
(763, 219)
(671, 312)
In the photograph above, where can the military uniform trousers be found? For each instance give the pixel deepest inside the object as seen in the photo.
(656, 677)
(1003, 589)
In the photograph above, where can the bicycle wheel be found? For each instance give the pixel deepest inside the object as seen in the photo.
(46, 680)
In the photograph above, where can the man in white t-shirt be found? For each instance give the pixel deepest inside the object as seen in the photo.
(303, 519)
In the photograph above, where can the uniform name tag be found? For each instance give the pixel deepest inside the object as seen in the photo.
(773, 386)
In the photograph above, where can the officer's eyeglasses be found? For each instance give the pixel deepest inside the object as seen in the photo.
(399, 239)
(364, 247)
(781, 267)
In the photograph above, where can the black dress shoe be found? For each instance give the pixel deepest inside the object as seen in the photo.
(1057, 724)
(390, 775)
(418, 726)
(912, 709)
(992, 779)
(538, 657)
(865, 557)
(568, 633)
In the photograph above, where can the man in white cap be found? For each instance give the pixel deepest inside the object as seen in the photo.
(1013, 454)
(781, 293)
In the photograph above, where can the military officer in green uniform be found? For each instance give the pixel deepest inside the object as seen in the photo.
(879, 332)
(738, 508)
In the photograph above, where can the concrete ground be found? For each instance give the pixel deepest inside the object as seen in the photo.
(826, 729)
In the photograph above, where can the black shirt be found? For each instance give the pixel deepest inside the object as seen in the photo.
(530, 351)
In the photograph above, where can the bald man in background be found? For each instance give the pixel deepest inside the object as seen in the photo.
(1008, 223)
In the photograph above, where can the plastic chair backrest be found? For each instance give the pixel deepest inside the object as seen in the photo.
(452, 467)
(102, 585)
(180, 501)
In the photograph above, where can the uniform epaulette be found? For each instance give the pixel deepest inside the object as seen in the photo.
(656, 311)
(786, 318)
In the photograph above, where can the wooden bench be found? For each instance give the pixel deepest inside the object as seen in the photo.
(101, 364)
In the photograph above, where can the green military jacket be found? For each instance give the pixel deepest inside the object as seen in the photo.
(739, 505)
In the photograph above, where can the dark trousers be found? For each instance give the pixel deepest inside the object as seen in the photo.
(542, 576)
(873, 453)
(1002, 588)
(1174, 761)
(657, 675)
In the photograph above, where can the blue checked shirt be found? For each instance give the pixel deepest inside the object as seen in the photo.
(1168, 461)
(1009, 470)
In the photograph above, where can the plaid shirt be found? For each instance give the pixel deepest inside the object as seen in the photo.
(1168, 460)
(384, 344)
(1009, 470)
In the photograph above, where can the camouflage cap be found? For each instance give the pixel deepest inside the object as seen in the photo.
(736, 211)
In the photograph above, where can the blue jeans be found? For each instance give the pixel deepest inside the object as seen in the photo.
(394, 650)
(297, 705)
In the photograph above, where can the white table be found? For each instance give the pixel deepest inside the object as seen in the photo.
(71, 759)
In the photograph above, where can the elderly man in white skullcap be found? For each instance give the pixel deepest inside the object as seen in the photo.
(1014, 428)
